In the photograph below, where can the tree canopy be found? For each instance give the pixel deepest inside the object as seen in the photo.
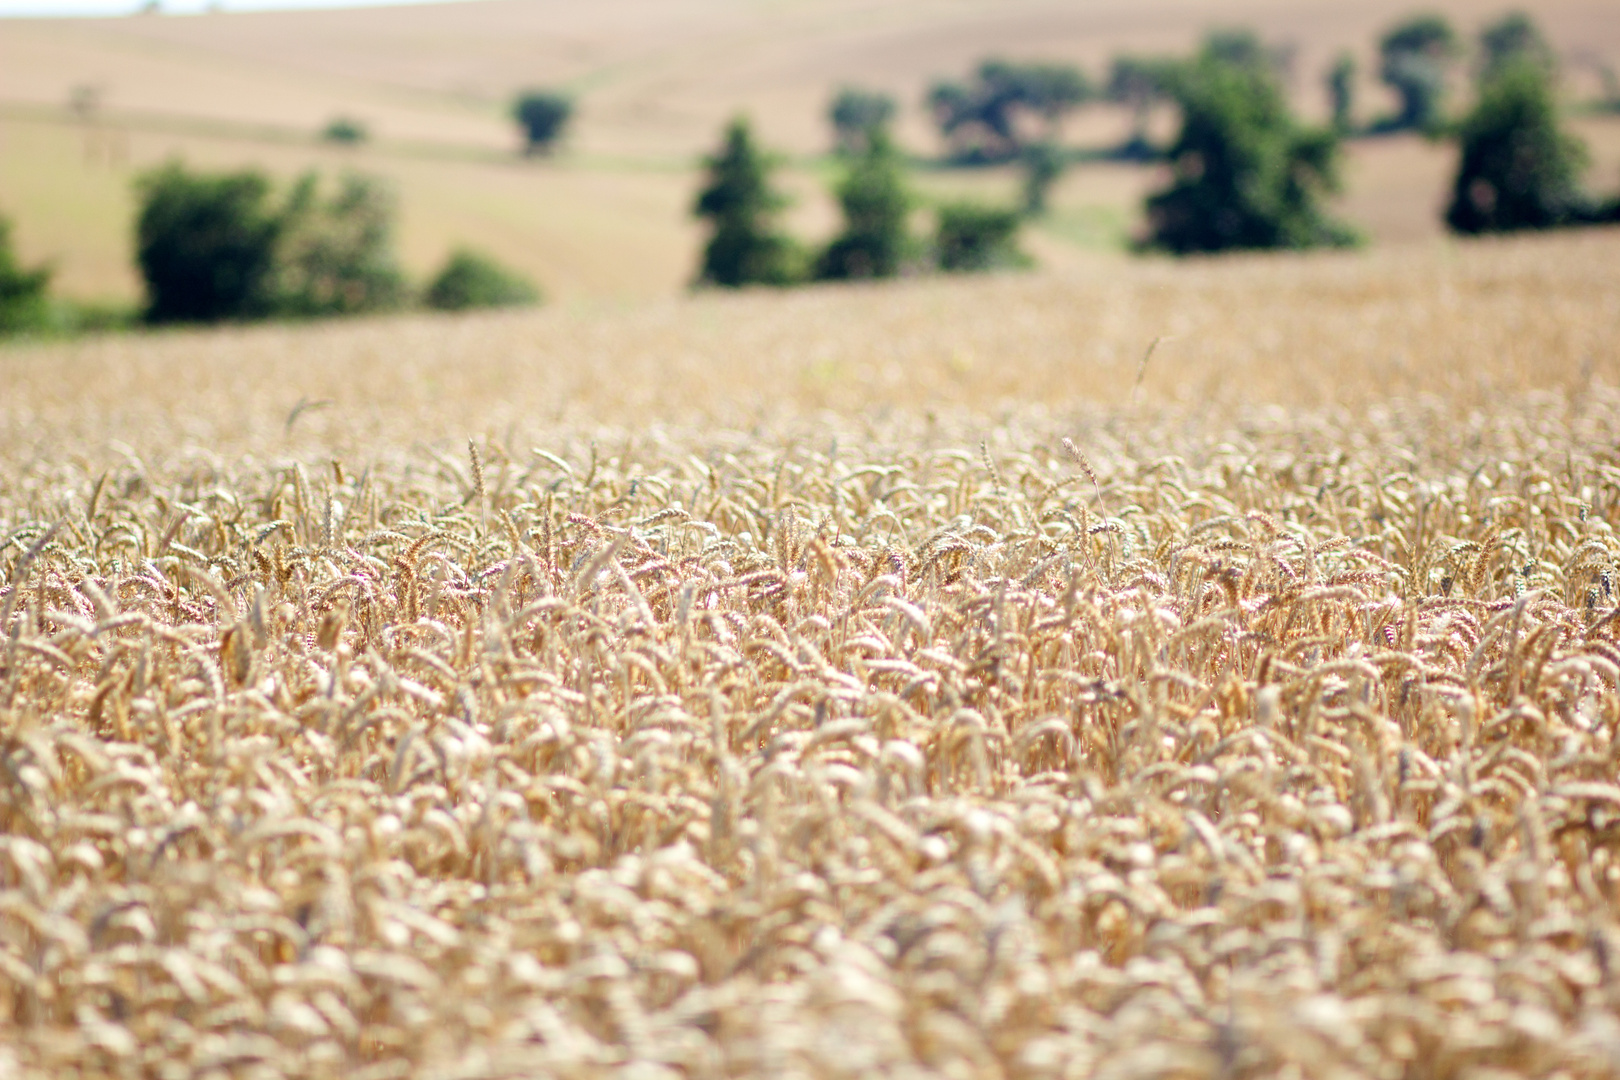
(1415, 60)
(1518, 169)
(1246, 173)
(855, 114)
(206, 244)
(981, 116)
(741, 205)
(875, 204)
(543, 115)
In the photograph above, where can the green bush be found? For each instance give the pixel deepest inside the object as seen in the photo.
(972, 237)
(543, 115)
(1517, 169)
(206, 245)
(471, 279)
(875, 203)
(24, 300)
(215, 247)
(345, 130)
(738, 200)
(1246, 173)
(336, 255)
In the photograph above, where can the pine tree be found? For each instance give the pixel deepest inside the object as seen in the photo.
(738, 200)
(875, 204)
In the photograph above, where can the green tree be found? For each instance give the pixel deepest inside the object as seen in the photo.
(1139, 83)
(24, 299)
(335, 255)
(981, 117)
(744, 247)
(855, 114)
(543, 115)
(471, 279)
(1341, 83)
(345, 131)
(1415, 60)
(875, 203)
(1518, 169)
(1246, 173)
(1512, 39)
(972, 237)
(206, 244)
(1043, 165)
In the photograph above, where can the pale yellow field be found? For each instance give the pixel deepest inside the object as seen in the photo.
(656, 79)
(911, 680)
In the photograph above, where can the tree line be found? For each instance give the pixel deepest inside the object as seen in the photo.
(213, 247)
(1244, 172)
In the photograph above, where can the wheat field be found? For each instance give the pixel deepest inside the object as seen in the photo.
(929, 680)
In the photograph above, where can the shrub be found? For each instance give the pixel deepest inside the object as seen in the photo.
(336, 255)
(345, 130)
(1246, 174)
(214, 247)
(543, 115)
(1415, 58)
(855, 114)
(972, 237)
(1517, 168)
(471, 279)
(24, 302)
(875, 204)
(206, 244)
(739, 202)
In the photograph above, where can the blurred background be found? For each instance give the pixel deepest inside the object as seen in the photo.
(422, 97)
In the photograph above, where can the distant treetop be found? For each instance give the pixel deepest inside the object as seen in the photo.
(543, 115)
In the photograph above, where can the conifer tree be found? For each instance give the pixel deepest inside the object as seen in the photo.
(740, 204)
(875, 203)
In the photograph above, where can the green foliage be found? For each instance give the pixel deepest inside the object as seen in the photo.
(1341, 83)
(1510, 40)
(471, 279)
(980, 117)
(1246, 173)
(336, 255)
(215, 247)
(855, 114)
(24, 300)
(1043, 165)
(345, 131)
(206, 244)
(739, 202)
(875, 202)
(1518, 169)
(1243, 48)
(543, 115)
(972, 237)
(1140, 83)
(1415, 59)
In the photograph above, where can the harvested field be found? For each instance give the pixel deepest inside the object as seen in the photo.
(675, 693)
